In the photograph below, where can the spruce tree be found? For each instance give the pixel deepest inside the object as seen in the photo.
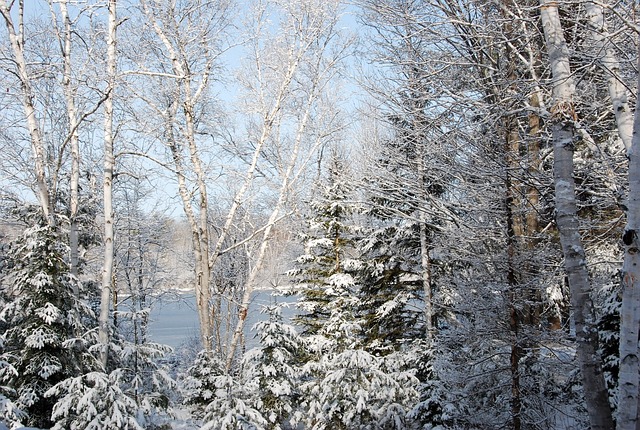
(46, 323)
(222, 400)
(344, 386)
(199, 382)
(329, 244)
(94, 401)
(391, 286)
(274, 366)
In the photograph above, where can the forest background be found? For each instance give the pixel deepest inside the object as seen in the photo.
(447, 189)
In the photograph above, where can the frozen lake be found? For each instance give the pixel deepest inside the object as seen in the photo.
(174, 319)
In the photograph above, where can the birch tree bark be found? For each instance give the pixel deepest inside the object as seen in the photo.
(109, 164)
(563, 136)
(64, 38)
(16, 39)
(610, 65)
(191, 60)
(311, 59)
(628, 404)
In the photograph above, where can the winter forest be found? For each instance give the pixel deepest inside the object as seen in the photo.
(440, 199)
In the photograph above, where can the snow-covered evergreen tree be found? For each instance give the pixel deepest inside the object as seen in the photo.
(345, 386)
(230, 407)
(273, 366)
(329, 243)
(133, 395)
(354, 389)
(144, 379)
(429, 412)
(46, 323)
(609, 333)
(221, 400)
(94, 401)
(199, 382)
(10, 414)
(391, 286)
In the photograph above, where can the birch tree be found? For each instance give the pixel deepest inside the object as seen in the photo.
(60, 80)
(185, 41)
(108, 172)
(17, 41)
(64, 39)
(610, 66)
(563, 136)
(630, 312)
(293, 68)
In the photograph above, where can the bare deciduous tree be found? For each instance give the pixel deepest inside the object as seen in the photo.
(185, 42)
(17, 40)
(628, 402)
(109, 165)
(564, 135)
(293, 68)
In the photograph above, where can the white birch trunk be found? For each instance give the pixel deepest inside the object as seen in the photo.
(202, 269)
(73, 139)
(611, 67)
(627, 418)
(297, 50)
(198, 223)
(37, 145)
(563, 134)
(287, 179)
(109, 163)
(204, 293)
(270, 119)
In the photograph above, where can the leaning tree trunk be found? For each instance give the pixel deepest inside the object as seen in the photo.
(563, 134)
(37, 144)
(611, 67)
(289, 176)
(630, 310)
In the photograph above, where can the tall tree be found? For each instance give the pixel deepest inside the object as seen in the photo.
(108, 172)
(183, 67)
(64, 36)
(17, 40)
(329, 246)
(346, 382)
(628, 402)
(274, 366)
(563, 135)
(292, 109)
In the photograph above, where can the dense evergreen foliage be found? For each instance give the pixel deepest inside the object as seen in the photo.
(47, 334)
(327, 267)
